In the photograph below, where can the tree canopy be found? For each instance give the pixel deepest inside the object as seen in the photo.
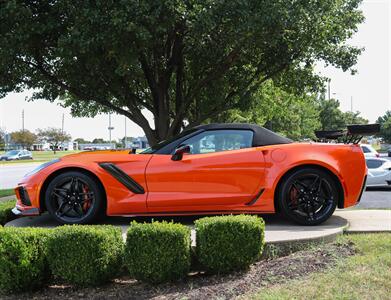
(385, 126)
(185, 61)
(294, 116)
(54, 136)
(331, 117)
(24, 138)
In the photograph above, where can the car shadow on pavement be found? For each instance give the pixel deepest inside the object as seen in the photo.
(378, 189)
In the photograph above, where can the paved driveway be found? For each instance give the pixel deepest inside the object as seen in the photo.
(10, 175)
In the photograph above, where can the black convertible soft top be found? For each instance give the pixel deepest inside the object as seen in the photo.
(262, 136)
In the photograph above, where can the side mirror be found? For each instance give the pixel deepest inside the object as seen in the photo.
(178, 154)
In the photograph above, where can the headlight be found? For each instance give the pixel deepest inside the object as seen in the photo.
(41, 167)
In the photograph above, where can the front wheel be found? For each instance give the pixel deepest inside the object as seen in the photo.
(74, 198)
(308, 196)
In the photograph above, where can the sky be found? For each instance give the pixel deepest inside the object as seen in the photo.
(369, 90)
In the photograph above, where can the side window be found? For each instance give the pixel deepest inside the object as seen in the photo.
(373, 164)
(365, 149)
(219, 140)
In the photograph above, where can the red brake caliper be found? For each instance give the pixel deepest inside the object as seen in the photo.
(87, 200)
(293, 196)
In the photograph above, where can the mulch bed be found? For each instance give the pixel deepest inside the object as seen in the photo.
(264, 273)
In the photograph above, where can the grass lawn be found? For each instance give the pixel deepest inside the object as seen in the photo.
(40, 156)
(366, 275)
(6, 192)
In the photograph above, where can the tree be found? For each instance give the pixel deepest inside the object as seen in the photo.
(2, 139)
(331, 117)
(295, 116)
(184, 61)
(82, 141)
(385, 126)
(54, 136)
(354, 118)
(99, 141)
(23, 138)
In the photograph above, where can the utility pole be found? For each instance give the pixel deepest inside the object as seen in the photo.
(62, 124)
(23, 120)
(125, 139)
(328, 88)
(351, 103)
(110, 128)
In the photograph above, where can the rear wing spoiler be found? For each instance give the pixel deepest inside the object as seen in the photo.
(353, 134)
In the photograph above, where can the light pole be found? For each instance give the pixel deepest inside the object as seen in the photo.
(23, 120)
(351, 103)
(125, 138)
(110, 128)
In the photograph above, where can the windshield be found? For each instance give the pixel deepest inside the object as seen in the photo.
(164, 143)
(13, 152)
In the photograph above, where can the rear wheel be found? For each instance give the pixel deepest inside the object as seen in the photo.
(74, 198)
(308, 196)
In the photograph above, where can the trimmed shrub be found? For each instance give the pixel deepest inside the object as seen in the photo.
(6, 214)
(158, 252)
(85, 255)
(229, 243)
(23, 258)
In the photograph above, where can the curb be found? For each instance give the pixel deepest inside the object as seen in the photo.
(6, 198)
(286, 247)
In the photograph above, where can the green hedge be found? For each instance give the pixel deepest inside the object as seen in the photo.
(85, 255)
(158, 252)
(23, 254)
(6, 214)
(229, 243)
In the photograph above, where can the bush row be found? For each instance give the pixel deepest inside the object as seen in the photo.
(154, 252)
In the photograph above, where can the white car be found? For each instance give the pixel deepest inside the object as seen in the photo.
(369, 151)
(379, 172)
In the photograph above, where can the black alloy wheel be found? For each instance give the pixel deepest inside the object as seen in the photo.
(74, 198)
(308, 196)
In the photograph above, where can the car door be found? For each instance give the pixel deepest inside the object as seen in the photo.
(20, 155)
(221, 172)
(377, 174)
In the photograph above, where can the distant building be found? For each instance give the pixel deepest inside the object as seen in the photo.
(66, 146)
(140, 142)
(41, 147)
(91, 146)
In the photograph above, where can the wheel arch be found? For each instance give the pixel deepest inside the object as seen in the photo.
(48, 179)
(341, 194)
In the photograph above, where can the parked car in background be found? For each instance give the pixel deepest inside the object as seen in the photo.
(369, 151)
(379, 172)
(17, 155)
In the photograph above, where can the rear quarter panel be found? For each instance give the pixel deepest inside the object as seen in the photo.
(346, 162)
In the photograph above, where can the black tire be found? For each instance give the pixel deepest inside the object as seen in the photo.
(74, 198)
(308, 196)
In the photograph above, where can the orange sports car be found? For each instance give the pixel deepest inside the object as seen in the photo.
(209, 169)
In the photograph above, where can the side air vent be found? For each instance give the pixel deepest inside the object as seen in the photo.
(24, 197)
(122, 177)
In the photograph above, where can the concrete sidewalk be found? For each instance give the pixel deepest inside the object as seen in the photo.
(368, 220)
(6, 198)
(277, 230)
